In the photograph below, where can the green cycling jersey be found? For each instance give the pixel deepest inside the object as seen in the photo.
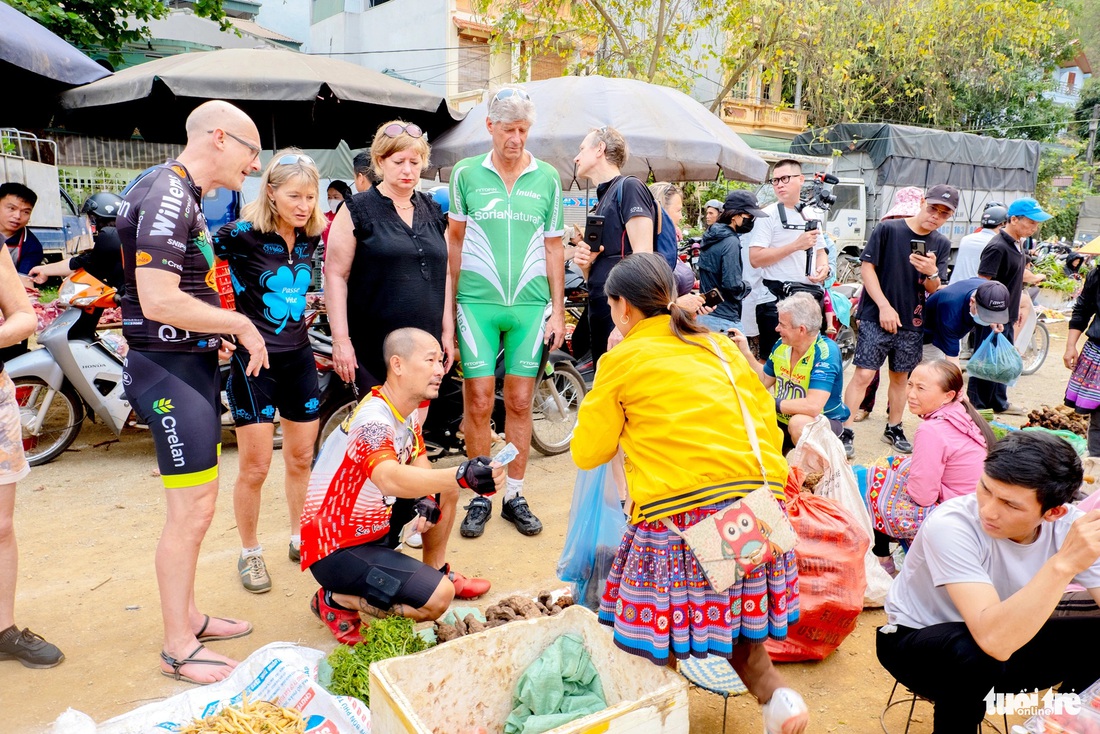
(503, 254)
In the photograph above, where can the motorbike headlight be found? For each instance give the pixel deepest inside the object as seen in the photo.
(70, 291)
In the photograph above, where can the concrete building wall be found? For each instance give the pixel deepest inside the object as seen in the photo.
(287, 17)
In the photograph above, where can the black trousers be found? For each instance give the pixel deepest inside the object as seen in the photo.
(767, 318)
(944, 664)
(982, 393)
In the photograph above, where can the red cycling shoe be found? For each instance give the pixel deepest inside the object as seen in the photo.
(343, 623)
(466, 588)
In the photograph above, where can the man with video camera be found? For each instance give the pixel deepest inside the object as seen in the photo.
(784, 249)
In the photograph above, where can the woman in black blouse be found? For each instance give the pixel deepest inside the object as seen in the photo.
(386, 266)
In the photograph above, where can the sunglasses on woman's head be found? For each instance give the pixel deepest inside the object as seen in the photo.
(395, 128)
(291, 158)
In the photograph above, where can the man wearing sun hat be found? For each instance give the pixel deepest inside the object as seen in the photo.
(1004, 261)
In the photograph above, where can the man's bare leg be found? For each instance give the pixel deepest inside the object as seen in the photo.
(899, 386)
(435, 539)
(434, 609)
(9, 556)
(190, 510)
(518, 392)
(478, 396)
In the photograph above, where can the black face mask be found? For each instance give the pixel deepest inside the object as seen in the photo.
(746, 225)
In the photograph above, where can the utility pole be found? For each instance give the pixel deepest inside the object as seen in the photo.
(1094, 121)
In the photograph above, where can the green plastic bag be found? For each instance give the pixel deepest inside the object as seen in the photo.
(1079, 444)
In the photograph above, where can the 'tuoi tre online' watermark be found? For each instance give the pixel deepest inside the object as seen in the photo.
(1030, 704)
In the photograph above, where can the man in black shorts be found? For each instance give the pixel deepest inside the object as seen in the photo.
(349, 528)
(896, 279)
(171, 318)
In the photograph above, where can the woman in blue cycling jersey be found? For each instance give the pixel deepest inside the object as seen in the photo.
(270, 254)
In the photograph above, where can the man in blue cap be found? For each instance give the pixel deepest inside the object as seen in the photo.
(1004, 261)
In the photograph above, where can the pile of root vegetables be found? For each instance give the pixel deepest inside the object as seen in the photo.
(508, 610)
(1059, 418)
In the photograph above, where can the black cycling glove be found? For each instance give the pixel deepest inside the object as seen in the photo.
(476, 474)
(428, 508)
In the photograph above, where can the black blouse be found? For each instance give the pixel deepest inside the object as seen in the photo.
(398, 276)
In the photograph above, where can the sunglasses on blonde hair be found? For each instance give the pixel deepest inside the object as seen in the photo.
(395, 128)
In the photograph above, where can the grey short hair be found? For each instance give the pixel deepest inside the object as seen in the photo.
(517, 108)
(614, 145)
(803, 310)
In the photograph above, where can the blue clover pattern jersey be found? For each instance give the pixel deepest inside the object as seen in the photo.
(503, 254)
(821, 368)
(269, 280)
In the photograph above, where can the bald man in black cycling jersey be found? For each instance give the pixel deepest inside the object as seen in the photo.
(172, 321)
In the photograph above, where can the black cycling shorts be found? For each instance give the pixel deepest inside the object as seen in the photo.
(345, 571)
(177, 394)
(289, 385)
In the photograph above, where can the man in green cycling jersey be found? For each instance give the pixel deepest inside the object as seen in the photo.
(508, 273)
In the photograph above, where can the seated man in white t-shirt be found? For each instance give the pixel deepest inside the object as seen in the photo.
(973, 609)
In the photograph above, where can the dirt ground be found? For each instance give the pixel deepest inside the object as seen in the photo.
(88, 524)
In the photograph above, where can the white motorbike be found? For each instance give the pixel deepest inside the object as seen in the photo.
(77, 373)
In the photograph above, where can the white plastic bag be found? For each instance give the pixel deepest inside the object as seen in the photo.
(279, 672)
(819, 450)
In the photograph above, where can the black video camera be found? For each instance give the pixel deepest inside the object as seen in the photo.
(819, 195)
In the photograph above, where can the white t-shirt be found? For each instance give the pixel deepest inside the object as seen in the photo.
(769, 232)
(952, 548)
(970, 254)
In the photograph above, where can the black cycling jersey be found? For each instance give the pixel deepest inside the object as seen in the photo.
(269, 283)
(161, 226)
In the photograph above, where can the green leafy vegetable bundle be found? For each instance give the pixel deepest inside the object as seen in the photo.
(387, 638)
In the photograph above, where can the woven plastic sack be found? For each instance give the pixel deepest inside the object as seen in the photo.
(819, 450)
(831, 580)
(596, 528)
(996, 360)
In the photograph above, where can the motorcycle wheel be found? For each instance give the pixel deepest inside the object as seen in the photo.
(846, 342)
(332, 416)
(60, 425)
(1036, 352)
(554, 409)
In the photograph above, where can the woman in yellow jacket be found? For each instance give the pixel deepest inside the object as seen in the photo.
(664, 396)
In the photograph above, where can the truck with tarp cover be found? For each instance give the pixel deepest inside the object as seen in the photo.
(873, 160)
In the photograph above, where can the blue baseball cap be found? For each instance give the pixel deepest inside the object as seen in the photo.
(1028, 208)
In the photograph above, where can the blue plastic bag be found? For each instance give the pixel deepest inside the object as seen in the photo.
(596, 527)
(996, 360)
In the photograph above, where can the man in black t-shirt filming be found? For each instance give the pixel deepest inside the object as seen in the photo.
(904, 260)
(1004, 261)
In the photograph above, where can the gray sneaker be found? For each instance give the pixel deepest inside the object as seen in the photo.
(253, 573)
(294, 553)
(28, 648)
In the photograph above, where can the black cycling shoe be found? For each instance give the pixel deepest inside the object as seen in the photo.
(478, 513)
(28, 648)
(848, 438)
(517, 512)
(895, 436)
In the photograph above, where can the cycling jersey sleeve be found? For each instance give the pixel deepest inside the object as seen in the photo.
(165, 222)
(370, 444)
(457, 209)
(555, 223)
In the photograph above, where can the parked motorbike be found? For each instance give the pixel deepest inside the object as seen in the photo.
(557, 398)
(77, 373)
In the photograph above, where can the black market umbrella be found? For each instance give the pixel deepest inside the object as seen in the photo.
(667, 132)
(294, 98)
(36, 65)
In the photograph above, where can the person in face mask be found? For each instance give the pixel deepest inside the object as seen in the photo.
(720, 264)
(338, 194)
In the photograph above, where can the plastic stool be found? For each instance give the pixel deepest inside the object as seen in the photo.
(912, 699)
(714, 674)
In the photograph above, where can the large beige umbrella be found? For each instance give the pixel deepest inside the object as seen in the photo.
(295, 98)
(668, 133)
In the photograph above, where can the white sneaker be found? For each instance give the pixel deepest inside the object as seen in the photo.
(785, 704)
(413, 540)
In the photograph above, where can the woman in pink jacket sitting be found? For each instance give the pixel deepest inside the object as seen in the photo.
(949, 451)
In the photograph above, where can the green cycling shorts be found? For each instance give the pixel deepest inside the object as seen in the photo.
(481, 327)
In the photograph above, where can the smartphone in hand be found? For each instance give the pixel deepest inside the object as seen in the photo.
(917, 247)
(712, 298)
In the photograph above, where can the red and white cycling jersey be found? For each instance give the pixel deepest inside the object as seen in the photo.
(343, 507)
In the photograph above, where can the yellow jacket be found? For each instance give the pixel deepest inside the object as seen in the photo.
(672, 408)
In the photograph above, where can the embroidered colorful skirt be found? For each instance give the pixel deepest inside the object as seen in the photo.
(1083, 391)
(659, 602)
(893, 512)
